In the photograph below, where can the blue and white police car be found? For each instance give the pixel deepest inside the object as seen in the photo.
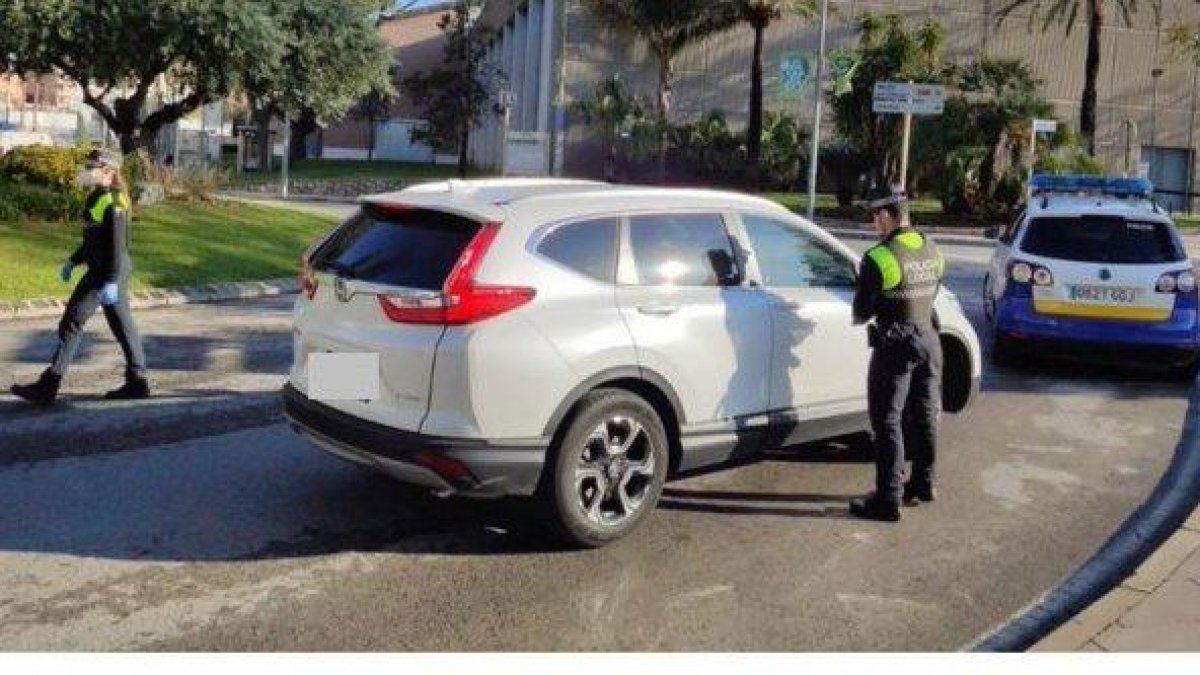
(1093, 268)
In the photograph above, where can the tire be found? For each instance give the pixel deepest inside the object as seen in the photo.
(595, 492)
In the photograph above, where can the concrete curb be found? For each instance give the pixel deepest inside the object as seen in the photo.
(274, 197)
(1089, 624)
(1124, 559)
(160, 297)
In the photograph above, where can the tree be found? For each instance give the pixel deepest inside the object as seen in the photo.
(456, 95)
(759, 15)
(1066, 12)
(373, 107)
(118, 51)
(611, 108)
(332, 57)
(1185, 38)
(887, 50)
(667, 27)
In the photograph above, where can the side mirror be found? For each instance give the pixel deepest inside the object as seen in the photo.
(725, 267)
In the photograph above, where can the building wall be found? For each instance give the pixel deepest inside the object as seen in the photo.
(417, 44)
(714, 75)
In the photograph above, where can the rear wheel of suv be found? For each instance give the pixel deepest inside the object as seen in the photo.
(607, 470)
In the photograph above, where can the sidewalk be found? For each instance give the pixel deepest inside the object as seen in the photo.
(1156, 609)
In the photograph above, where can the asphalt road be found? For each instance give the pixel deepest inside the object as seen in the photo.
(216, 528)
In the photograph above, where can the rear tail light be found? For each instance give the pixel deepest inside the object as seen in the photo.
(1177, 282)
(1025, 273)
(308, 280)
(462, 300)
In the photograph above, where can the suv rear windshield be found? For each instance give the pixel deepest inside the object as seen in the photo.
(408, 249)
(1102, 239)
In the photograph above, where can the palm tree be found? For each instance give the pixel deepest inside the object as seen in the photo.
(667, 26)
(610, 108)
(759, 15)
(1067, 12)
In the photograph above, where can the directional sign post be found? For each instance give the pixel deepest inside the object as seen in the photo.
(908, 99)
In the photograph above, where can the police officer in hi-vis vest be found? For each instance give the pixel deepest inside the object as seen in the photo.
(897, 284)
(105, 252)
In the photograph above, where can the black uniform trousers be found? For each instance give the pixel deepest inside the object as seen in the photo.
(904, 400)
(80, 308)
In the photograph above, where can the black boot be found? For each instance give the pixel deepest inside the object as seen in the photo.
(40, 393)
(134, 388)
(875, 508)
(915, 493)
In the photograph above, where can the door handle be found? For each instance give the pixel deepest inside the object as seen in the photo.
(657, 310)
(788, 305)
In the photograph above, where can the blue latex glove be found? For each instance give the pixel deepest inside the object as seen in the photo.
(65, 272)
(109, 294)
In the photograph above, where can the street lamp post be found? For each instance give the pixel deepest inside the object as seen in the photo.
(816, 130)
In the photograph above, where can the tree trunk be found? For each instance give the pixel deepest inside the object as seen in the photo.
(262, 119)
(464, 142)
(1087, 107)
(302, 128)
(371, 138)
(664, 112)
(755, 124)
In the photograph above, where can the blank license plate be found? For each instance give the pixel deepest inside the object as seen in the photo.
(1108, 295)
(343, 376)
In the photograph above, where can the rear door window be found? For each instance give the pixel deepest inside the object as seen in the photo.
(588, 247)
(1105, 239)
(408, 249)
(679, 249)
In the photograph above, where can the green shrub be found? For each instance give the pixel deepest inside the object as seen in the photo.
(22, 200)
(844, 164)
(1007, 196)
(707, 149)
(785, 149)
(43, 165)
(1070, 159)
(960, 189)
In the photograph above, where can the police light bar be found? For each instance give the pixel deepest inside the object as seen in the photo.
(1115, 186)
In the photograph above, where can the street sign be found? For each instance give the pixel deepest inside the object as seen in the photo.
(794, 71)
(897, 98)
(1045, 126)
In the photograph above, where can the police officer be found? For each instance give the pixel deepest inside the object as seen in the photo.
(105, 252)
(898, 282)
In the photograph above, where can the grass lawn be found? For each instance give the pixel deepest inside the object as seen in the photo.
(172, 245)
(928, 209)
(348, 169)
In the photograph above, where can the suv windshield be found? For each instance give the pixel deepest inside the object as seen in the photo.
(1105, 239)
(408, 249)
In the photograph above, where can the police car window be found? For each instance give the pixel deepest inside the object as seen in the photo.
(789, 258)
(679, 249)
(588, 247)
(1108, 239)
(408, 249)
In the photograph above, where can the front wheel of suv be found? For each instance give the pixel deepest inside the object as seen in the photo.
(607, 470)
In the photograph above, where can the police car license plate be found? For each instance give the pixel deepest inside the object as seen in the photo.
(343, 376)
(1106, 295)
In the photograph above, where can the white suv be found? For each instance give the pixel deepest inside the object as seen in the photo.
(581, 341)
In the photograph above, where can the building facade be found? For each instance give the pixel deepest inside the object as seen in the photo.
(417, 45)
(553, 51)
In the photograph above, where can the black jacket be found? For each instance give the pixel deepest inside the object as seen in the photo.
(105, 247)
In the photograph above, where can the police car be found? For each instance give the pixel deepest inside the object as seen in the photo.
(1093, 268)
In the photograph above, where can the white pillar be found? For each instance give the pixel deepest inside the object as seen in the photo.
(533, 60)
(517, 73)
(546, 69)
